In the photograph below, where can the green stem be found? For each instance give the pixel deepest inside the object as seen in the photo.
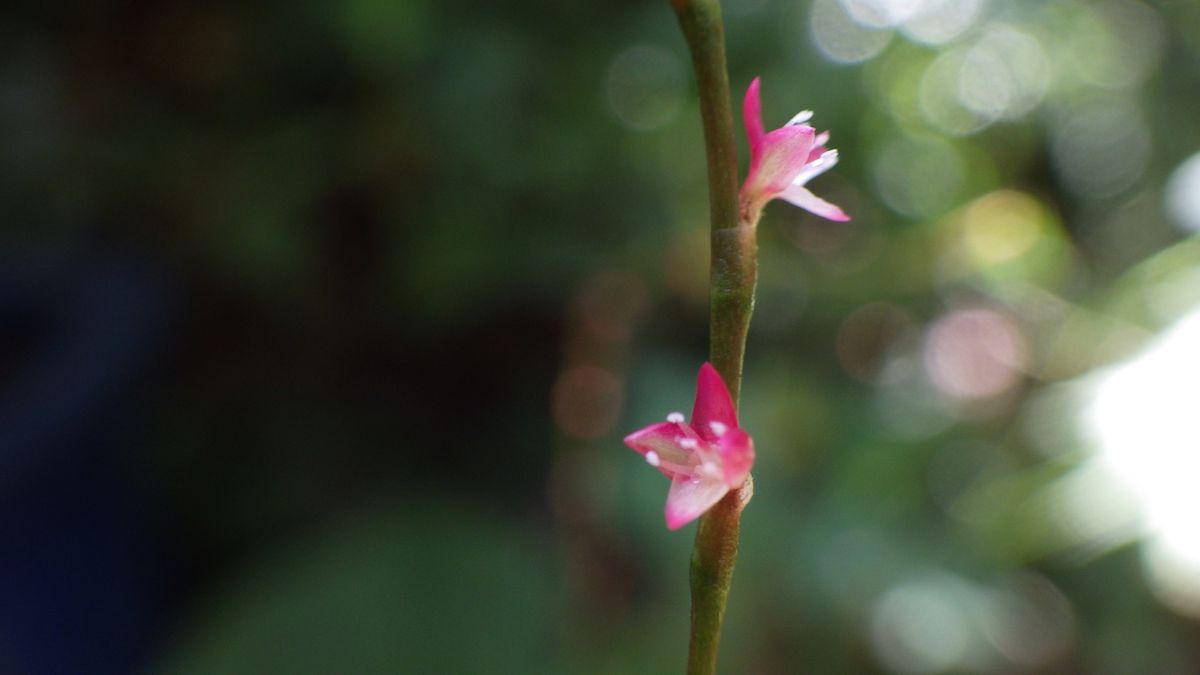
(734, 271)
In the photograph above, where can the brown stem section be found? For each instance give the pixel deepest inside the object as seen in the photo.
(734, 272)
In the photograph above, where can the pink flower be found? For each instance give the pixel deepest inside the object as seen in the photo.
(704, 459)
(783, 161)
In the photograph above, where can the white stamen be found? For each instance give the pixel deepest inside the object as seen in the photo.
(652, 458)
(675, 418)
(801, 117)
(688, 443)
(718, 428)
(817, 167)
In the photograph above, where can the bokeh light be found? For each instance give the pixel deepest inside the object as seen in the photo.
(1009, 242)
(1003, 74)
(919, 176)
(1143, 423)
(1000, 75)
(882, 13)
(940, 96)
(1113, 43)
(1028, 620)
(938, 22)
(1101, 146)
(840, 37)
(1002, 226)
(939, 622)
(922, 627)
(975, 353)
(1183, 194)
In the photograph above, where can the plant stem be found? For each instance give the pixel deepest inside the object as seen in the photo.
(734, 271)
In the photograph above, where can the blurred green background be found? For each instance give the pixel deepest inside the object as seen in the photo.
(322, 323)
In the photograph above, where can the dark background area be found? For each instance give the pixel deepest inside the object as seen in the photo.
(321, 323)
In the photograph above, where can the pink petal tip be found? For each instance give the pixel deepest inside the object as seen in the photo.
(713, 403)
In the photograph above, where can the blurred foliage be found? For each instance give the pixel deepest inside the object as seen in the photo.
(360, 597)
(430, 261)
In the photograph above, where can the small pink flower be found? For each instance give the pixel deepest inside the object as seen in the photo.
(704, 459)
(783, 161)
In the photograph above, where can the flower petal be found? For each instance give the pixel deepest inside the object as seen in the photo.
(736, 450)
(752, 119)
(783, 156)
(713, 404)
(818, 147)
(816, 167)
(689, 498)
(800, 196)
(663, 446)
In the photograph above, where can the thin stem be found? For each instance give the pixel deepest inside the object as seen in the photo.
(734, 271)
(701, 23)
